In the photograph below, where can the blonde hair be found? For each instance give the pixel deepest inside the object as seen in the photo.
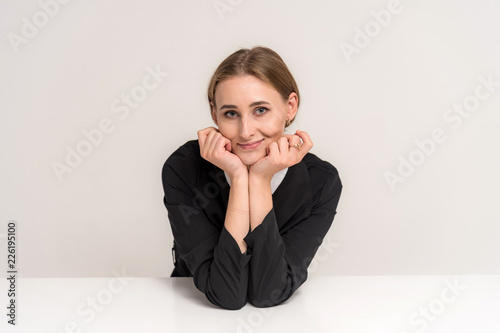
(261, 62)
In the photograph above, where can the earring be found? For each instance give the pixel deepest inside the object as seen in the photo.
(288, 122)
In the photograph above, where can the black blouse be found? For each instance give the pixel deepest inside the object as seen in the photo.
(278, 251)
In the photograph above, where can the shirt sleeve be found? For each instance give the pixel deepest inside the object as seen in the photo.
(212, 255)
(279, 262)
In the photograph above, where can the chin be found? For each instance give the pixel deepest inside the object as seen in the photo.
(251, 158)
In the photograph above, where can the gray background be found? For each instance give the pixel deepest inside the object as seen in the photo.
(363, 112)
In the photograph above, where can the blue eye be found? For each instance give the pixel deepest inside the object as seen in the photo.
(261, 110)
(230, 114)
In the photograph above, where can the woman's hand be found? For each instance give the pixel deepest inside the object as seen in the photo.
(282, 154)
(216, 149)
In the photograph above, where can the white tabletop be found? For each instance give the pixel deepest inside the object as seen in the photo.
(465, 303)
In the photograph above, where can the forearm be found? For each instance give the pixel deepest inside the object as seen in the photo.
(224, 281)
(237, 220)
(269, 282)
(261, 199)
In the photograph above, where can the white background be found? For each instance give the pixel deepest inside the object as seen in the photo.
(362, 111)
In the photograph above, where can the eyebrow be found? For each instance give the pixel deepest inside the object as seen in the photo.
(230, 106)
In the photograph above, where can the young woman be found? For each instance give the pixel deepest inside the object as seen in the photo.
(248, 204)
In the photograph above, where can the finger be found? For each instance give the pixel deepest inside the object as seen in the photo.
(203, 134)
(288, 136)
(220, 143)
(207, 130)
(306, 139)
(307, 143)
(202, 137)
(206, 143)
(227, 144)
(295, 155)
(283, 144)
(223, 143)
(273, 149)
(295, 140)
(214, 138)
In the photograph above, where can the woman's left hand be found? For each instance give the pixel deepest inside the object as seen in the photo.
(284, 153)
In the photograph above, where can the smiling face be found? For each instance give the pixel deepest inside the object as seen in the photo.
(251, 114)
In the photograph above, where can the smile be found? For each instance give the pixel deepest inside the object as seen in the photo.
(250, 145)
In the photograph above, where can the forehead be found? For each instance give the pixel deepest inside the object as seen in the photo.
(244, 89)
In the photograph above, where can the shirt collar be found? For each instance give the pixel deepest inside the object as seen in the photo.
(293, 197)
(275, 181)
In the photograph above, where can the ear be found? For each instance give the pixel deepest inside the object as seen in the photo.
(291, 106)
(212, 111)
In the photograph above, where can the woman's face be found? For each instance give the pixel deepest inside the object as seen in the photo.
(251, 114)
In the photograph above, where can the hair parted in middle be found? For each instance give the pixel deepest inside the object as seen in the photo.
(261, 62)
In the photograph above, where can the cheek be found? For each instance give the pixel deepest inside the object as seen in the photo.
(273, 128)
(228, 130)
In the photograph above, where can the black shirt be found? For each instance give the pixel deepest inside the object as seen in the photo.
(278, 251)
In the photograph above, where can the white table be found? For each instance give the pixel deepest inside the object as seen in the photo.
(323, 304)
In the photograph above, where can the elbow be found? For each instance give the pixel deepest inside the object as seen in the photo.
(266, 301)
(272, 296)
(226, 296)
(262, 304)
(228, 304)
(235, 305)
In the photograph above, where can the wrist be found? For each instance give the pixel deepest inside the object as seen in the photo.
(239, 176)
(259, 179)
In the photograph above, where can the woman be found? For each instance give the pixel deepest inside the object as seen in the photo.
(248, 205)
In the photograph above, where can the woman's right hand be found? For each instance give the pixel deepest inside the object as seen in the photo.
(216, 149)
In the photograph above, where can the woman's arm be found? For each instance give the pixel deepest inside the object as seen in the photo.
(238, 214)
(213, 256)
(261, 199)
(216, 149)
(281, 154)
(279, 262)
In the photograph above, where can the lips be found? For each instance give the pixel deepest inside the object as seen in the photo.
(250, 145)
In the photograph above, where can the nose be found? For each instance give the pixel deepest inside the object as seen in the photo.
(247, 128)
